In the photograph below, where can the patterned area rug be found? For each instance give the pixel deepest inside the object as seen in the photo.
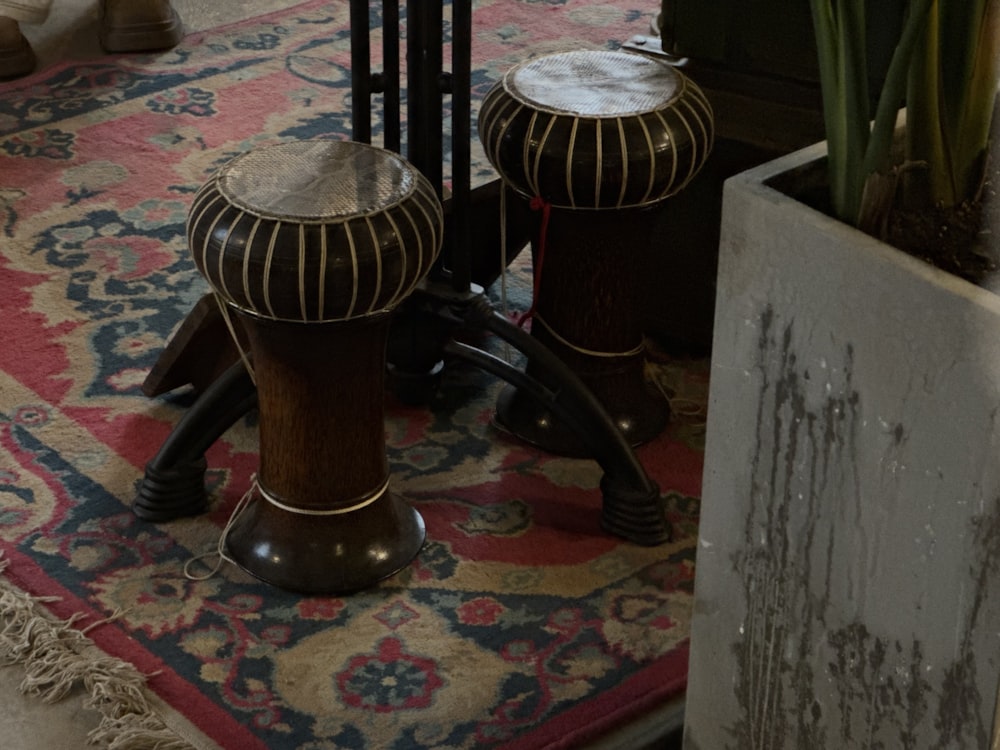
(520, 624)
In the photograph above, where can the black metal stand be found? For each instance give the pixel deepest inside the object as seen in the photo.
(450, 298)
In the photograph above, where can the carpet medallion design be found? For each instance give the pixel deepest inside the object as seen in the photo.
(520, 624)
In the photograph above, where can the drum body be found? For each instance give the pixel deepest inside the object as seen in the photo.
(598, 140)
(309, 245)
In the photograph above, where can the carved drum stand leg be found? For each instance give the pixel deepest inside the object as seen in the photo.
(598, 140)
(310, 245)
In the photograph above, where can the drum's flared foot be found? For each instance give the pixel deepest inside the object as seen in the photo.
(326, 554)
(527, 419)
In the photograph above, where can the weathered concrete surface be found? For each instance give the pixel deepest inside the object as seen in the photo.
(848, 573)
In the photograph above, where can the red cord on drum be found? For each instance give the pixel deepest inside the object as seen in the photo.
(538, 203)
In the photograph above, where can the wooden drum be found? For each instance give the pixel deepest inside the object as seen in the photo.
(597, 140)
(310, 245)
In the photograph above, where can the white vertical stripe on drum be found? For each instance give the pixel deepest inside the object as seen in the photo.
(302, 273)
(569, 162)
(624, 145)
(197, 205)
(192, 220)
(652, 158)
(197, 223)
(496, 127)
(486, 116)
(420, 243)
(321, 315)
(701, 147)
(496, 111)
(693, 167)
(208, 239)
(526, 150)
(705, 120)
(697, 93)
(599, 169)
(502, 131)
(669, 187)
(267, 268)
(538, 156)
(434, 222)
(401, 244)
(223, 287)
(204, 194)
(378, 263)
(708, 118)
(354, 268)
(709, 114)
(246, 263)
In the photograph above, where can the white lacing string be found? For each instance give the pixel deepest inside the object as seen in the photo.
(688, 408)
(243, 504)
(220, 550)
(358, 504)
(590, 352)
(224, 308)
(503, 263)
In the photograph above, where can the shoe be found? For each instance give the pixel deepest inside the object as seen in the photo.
(139, 25)
(16, 56)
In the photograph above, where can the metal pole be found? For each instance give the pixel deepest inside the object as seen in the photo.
(361, 120)
(461, 140)
(390, 61)
(424, 122)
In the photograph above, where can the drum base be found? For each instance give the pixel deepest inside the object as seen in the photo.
(326, 554)
(641, 417)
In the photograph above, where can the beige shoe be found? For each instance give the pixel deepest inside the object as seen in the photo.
(139, 25)
(16, 56)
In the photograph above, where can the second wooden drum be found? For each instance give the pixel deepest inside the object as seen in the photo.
(597, 140)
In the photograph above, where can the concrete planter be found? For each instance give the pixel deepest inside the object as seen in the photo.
(848, 574)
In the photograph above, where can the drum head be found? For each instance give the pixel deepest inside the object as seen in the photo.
(595, 83)
(316, 180)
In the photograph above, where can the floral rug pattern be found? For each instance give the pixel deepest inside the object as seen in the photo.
(520, 624)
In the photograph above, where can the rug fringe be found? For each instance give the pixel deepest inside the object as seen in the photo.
(57, 656)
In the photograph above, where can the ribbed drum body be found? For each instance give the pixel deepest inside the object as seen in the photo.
(315, 231)
(594, 129)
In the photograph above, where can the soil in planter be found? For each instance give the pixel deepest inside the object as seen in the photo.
(964, 240)
(952, 239)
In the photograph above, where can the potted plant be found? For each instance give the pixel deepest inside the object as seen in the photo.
(946, 64)
(848, 573)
